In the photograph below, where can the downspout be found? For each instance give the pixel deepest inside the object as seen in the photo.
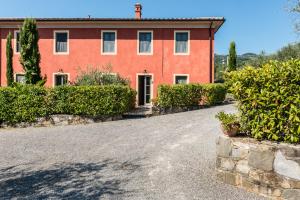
(162, 53)
(210, 54)
(0, 57)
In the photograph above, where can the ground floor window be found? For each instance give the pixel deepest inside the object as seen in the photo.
(20, 78)
(181, 78)
(61, 79)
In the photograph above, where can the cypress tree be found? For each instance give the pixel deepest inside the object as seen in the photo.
(232, 58)
(30, 55)
(9, 62)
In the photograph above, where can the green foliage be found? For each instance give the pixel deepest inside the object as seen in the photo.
(295, 8)
(24, 103)
(180, 95)
(185, 95)
(228, 120)
(214, 94)
(269, 100)
(232, 58)
(98, 76)
(9, 61)
(30, 55)
(92, 100)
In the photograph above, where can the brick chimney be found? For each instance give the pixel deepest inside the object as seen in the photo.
(138, 11)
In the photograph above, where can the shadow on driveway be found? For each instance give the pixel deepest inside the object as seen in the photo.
(67, 180)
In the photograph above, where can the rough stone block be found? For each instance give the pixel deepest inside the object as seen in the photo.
(285, 167)
(255, 175)
(227, 164)
(243, 167)
(224, 146)
(227, 177)
(240, 151)
(291, 194)
(262, 158)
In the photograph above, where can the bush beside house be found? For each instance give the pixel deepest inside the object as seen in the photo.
(188, 95)
(269, 100)
(25, 103)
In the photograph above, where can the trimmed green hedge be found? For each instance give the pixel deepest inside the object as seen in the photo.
(214, 94)
(269, 100)
(26, 103)
(186, 95)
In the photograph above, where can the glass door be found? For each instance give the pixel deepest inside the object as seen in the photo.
(147, 90)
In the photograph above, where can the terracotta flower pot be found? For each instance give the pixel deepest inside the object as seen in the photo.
(232, 131)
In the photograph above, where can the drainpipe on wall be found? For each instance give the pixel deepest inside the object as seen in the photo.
(210, 54)
(0, 58)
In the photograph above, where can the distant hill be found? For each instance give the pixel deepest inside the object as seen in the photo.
(241, 60)
(221, 63)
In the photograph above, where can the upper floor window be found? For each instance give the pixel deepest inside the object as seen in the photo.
(145, 42)
(182, 39)
(61, 42)
(109, 42)
(181, 78)
(61, 79)
(17, 45)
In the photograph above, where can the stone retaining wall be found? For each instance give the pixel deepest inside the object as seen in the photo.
(266, 168)
(60, 120)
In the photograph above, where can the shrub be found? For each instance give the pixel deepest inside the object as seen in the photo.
(227, 120)
(214, 94)
(92, 100)
(24, 103)
(185, 95)
(180, 95)
(269, 100)
(97, 76)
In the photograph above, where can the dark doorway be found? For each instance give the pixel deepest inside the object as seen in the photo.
(144, 90)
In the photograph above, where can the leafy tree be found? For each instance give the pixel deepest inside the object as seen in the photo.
(9, 63)
(30, 55)
(232, 58)
(99, 76)
(295, 8)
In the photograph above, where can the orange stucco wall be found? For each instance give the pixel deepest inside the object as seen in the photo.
(85, 50)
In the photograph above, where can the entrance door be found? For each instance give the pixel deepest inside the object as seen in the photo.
(144, 89)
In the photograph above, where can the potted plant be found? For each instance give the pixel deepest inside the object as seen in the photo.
(229, 123)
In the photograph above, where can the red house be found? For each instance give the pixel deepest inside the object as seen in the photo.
(148, 51)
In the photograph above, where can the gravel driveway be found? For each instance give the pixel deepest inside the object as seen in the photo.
(166, 157)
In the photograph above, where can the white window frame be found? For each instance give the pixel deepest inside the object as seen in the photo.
(138, 42)
(59, 73)
(189, 43)
(15, 41)
(187, 80)
(54, 42)
(18, 73)
(116, 42)
(137, 86)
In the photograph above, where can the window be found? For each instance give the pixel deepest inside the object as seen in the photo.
(182, 39)
(109, 42)
(61, 42)
(181, 79)
(20, 78)
(145, 43)
(60, 79)
(17, 42)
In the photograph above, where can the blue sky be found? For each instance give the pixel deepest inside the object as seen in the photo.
(254, 25)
